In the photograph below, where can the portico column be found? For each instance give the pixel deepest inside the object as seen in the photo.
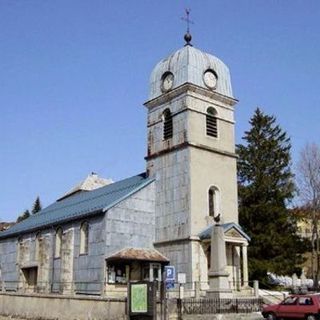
(245, 265)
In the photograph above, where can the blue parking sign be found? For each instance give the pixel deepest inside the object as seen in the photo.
(170, 272)
(169, 284)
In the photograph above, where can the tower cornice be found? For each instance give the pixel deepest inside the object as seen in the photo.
(193, 88)
(187, 144)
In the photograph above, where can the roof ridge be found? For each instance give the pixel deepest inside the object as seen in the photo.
(88, 193)
(84, 200)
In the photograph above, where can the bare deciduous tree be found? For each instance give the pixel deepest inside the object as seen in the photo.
(308, 178)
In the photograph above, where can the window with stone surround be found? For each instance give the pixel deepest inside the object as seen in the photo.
(84, 237)
(19, 248)
(58, 243)
(213, 201)
(167, 124)
(37, 246)
(211, 122)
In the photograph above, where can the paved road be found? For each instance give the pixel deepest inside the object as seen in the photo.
(226, 317)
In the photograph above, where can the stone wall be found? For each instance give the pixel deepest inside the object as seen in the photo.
(62, 307)
(51, 307)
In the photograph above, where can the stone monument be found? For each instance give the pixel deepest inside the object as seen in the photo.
(218, 276)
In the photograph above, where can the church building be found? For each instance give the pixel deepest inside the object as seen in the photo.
(102, 234)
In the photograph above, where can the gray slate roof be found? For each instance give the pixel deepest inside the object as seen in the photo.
(80, 205)
(206, 233)
(188, 65)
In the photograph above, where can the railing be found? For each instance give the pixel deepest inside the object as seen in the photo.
(199, 289)
(215, 305)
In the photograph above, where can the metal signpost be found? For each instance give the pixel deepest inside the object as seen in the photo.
(170, 276)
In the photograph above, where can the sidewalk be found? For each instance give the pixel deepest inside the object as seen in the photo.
(249, 316)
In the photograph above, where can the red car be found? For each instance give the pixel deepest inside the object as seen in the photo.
(294, 307)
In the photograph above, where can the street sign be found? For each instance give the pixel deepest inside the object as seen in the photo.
(170, 273)
(169, 284)
(182, 278)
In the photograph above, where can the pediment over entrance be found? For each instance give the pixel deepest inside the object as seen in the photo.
(232, 231)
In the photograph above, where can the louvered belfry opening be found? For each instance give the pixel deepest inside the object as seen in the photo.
(211, 122)
(167, 124)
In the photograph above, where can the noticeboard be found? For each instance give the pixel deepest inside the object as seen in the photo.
(142, 299)
(139, 298)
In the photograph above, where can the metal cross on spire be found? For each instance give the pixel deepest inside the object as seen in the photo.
(187, 36)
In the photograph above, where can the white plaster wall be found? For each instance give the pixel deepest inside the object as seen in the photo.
(210, 169)
(44, 260)
(67, 244)
(203, 265)
(198, 106)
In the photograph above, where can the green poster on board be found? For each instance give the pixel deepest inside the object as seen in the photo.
(139, 298)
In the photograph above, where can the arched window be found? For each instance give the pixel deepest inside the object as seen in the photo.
(37, 246)
(211, 122)
(167, 124)
(19, 248)
(58, 246)
(84, 237)
(213, 201)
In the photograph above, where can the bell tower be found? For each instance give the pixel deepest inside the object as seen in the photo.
(191, 152)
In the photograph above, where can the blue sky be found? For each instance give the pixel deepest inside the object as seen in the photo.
(74, 77)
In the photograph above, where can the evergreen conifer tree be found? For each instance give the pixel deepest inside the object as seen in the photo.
(36, 206)
(24, 216)
(265, 188)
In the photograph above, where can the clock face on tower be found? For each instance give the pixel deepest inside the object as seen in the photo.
(210, 79)
(167, 81)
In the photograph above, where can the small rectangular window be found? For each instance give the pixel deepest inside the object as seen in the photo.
(117, 273)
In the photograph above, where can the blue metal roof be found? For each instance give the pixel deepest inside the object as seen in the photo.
(80, 205)
(206, 233)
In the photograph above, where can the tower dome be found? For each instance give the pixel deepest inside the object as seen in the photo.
(190, 65)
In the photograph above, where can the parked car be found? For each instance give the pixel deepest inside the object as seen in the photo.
(294, 307)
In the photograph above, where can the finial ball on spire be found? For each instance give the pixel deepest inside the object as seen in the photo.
(187, 38)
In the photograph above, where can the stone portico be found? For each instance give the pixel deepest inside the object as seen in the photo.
(236, 254)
